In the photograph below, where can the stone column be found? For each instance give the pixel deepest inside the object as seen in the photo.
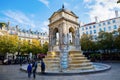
(77, 39)
(60, 37)
(50, 39)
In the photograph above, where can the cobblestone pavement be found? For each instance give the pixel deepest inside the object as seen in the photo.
(12, 72)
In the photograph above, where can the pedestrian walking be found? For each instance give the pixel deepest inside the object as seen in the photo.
(34, 68)
(42, 67)
(29, 70)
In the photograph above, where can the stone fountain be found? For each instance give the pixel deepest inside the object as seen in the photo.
(64, 54)
(64, 43)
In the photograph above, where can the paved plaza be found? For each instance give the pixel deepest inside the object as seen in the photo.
(13, 72)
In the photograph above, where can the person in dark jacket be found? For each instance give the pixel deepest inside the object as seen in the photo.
(34, 68)
(29, 70)
(42, 67)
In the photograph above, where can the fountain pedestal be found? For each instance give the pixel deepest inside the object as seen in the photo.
(75, 61)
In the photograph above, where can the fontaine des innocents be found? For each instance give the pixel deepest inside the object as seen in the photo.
(64, 52)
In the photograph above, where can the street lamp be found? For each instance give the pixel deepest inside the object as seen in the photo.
(19, 55)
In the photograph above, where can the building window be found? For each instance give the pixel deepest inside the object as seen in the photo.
(94, 26)
(82, 28)
(94, 31)
(99, 24)
(87, 32)
(90, 32)
(100, 29)
(108, 22)
(104, 29)
(104, 23)
(113, 21)
(86, 28)
(90, 27)
(109, 28)
(115, 27)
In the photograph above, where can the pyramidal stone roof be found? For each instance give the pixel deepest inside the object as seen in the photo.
(65, 10)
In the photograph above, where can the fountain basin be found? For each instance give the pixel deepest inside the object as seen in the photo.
(98, 67)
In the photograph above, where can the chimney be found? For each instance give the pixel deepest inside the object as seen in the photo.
(96, 19)
(16, 27)
(116, 13)
(8, 25)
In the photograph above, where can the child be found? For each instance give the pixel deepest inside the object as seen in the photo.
(29, 70)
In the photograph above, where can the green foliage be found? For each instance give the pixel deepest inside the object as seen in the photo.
(45, 48)
(87, 44)
(8, 44)
(105, 40)
(118, 1)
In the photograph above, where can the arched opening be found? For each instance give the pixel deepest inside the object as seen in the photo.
(71, 35)
(56, 36)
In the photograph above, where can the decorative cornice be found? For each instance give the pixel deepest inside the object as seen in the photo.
(63, 18)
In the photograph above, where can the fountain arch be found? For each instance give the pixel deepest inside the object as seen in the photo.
(56, 36)
(71, 35)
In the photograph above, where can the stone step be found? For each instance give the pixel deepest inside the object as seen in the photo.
(52, 62)
(81, 68)
(75, 54)
(51, 57)
(80, 65)
(72, 52)
(85, 60)
(77, 58)
(57, 53)
(56, 58)
(53, 66)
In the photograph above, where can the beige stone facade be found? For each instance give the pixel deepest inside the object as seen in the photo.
(27, 35)
(65, 24)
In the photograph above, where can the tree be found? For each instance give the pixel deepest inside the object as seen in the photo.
(23, 47)
(118, 1)
(13, 39)
(117, 39)
(35, 46)
(117, 42)
(87, 44)
(105, 41)
(8, 44)
(45, 48)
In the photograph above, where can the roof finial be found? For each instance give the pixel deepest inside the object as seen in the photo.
(63, 6)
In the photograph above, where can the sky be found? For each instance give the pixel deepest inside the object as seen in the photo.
(34, 14)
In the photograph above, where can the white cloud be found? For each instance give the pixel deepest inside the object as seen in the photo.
(45, 26)
(103, 9)
(19, 17)
(24, 21)
(46, 2)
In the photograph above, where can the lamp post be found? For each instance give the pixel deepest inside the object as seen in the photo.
(19, 53)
